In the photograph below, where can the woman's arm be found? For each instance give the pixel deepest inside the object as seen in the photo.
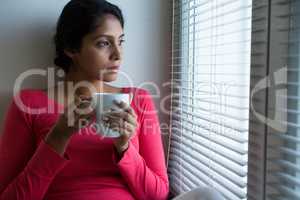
(26, 171)
(145, 171)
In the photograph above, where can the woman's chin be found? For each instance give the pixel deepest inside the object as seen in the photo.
(109, 77)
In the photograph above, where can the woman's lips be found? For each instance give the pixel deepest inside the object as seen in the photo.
(113, 69)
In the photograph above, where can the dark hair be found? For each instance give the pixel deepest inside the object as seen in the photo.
(78, 18)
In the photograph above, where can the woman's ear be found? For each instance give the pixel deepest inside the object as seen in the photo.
(70, 53)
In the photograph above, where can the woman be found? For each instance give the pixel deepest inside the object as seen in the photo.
(42, 156)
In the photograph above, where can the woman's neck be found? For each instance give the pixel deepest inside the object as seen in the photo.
(85, 85)
(77, 80)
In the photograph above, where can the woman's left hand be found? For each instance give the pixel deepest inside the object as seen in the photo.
(125, 122)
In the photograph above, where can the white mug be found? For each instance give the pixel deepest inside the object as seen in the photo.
(103, 102)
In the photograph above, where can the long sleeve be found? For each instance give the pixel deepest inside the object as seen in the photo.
(145, 170)
(26, 171)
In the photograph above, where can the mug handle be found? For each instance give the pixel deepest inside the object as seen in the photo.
(130, 98)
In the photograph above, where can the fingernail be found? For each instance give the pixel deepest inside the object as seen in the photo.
(105, 118)
(84, 97)
(118, 102)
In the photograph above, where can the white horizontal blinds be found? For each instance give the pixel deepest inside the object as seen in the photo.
(210, 105)
(257, 128)
(178, 175)
(283, 149)
(174, 150)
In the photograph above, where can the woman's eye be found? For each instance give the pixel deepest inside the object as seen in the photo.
(103, 44)
(121, 42)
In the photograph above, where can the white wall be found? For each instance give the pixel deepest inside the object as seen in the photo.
(26, 34)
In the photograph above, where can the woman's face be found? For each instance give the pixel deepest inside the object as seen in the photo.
(100, 55)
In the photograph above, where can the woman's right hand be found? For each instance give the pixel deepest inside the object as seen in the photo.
(69, 122)
(75, 114)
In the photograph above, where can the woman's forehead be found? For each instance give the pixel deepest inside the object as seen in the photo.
(109, 25)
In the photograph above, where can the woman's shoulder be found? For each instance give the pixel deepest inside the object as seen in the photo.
(142, 98)
(30, 94)
(140, 93)
(30, 98)
(136, 90)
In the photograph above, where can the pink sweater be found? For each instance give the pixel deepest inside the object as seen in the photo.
(89, 169)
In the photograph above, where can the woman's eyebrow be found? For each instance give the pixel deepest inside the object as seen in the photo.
(108, 36)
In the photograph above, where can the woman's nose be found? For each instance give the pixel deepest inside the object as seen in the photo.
(116, 53)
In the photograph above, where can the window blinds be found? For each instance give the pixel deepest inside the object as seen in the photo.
(283, 143)
(210, 96)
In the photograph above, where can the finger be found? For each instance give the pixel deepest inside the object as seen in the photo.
(88, 116)
(124, 115)
(111, 118)
(84, 113)
(114, 124)
(128, 109)
(125, 135)
(82, 99)
(121, 104)
(76, 100)
(129, 127)
(119, 119)
(85, 97)
(71, 111)
(130, 119)
(131, 111)
(124, 126)
(84, 107)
